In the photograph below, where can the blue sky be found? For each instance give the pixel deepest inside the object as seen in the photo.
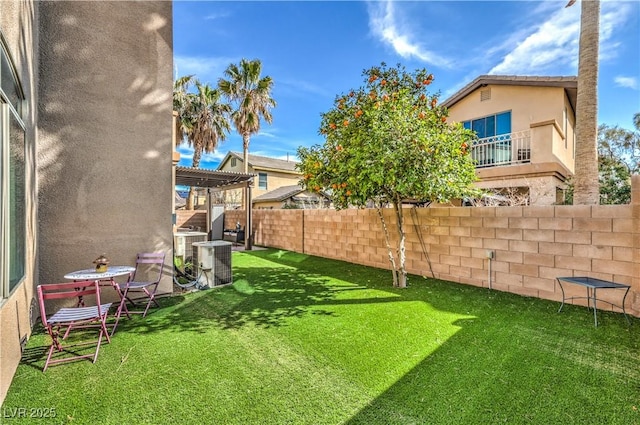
(315, 50)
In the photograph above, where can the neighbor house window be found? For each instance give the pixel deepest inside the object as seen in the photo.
(12, 171)
(492, 125)
(262, 181)
(234, 162)
(494, 134)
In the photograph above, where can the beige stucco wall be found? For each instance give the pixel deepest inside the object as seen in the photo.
(535, 109)
(98, 80)
(105, 145)
(18, 24)
(275, 179)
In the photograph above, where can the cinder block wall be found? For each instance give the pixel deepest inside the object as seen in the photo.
(532, 245)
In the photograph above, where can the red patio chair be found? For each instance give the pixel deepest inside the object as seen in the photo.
(144, 281)
(64, 320)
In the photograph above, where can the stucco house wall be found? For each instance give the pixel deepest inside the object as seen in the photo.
(19, 28)
(545, 115)
(98, 76)
(530, 106)
(105, 133)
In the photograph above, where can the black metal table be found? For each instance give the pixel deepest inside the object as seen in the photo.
(592, 284)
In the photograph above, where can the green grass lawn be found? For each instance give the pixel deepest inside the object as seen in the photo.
(305, 340)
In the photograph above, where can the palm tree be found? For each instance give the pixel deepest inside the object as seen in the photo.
(203, 119)
(587, 191)
(251, 96)
(182, 105)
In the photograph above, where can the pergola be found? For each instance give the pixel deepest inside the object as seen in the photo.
(210, 179)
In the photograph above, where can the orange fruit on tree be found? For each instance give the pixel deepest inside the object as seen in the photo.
(345, 123)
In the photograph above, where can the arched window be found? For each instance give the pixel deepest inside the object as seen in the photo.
(12, 171)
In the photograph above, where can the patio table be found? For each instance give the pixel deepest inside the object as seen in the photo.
(592, 284)
(104, 278)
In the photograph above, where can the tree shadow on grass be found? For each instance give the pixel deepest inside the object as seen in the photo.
(260, 296)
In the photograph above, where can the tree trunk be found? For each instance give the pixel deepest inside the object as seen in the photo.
(245, 152)
(392, 260)
(402, 272)
(190, 199)
(587, 191)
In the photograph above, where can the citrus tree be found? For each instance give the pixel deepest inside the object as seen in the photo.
(387, 142)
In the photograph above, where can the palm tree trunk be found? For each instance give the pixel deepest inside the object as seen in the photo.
(587, 191)
(197, 154)
(245, 152)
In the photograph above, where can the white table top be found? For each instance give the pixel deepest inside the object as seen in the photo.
(91, 274)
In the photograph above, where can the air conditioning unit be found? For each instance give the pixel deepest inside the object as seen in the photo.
(183, 243)
(213, 259)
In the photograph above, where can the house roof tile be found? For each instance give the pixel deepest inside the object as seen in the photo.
(279, 194)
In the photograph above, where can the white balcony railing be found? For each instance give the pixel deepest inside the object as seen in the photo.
(505, 149)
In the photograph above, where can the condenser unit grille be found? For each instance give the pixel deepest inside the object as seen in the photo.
(183, 243)
(221, 260)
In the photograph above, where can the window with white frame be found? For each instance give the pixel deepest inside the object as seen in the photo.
(234, 162)
(494, 138)
(262, 181)
(13, 181)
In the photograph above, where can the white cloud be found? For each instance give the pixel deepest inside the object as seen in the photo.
(186, 152)
(219, 15)
(206, 69)
(297, 87)
(628, 82)
(554, 43)
(384, 24)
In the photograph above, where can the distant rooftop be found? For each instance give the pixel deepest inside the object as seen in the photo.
(264, 162)
(279, 194)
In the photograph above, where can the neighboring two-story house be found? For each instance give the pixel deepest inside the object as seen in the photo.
(271, 174)
(525, 127)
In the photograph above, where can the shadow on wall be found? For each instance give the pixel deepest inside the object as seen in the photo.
(105, 108)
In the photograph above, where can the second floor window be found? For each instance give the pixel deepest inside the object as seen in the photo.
(262, 181)
(234, 162)
(489, 126)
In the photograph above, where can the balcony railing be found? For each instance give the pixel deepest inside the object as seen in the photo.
(505, 149)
